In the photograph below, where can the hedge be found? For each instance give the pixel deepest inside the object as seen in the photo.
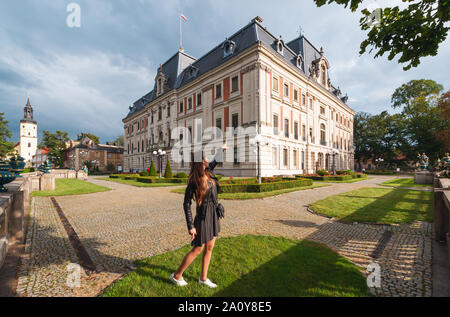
(153, 180)
(264, 187)
(181, 175)
(380, 172)
(330, 178)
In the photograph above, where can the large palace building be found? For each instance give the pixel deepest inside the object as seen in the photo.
(252, 79)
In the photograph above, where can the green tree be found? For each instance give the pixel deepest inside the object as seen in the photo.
(444, 108)
(56, 143)
(413, 32)
(152, 169)
(110, 167)
(361, 131)
(168, 172)
(119, 141)
(91, 136)
(422, 118)
(5, 146)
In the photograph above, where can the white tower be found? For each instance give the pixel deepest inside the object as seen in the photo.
(28, 134)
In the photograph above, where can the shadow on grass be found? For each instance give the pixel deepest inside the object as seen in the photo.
(380, 205)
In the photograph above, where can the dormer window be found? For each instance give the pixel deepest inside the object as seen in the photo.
(228, 48)
(192, 71)
(280, 46)
(299, 61)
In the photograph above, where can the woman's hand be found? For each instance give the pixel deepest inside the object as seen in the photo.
(193, 233)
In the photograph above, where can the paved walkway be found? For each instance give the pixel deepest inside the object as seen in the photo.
(129, 223)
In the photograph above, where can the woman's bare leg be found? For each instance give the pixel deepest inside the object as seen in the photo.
(187, 261)
(207, 258)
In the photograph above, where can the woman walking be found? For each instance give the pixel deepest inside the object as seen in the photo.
(202, 186)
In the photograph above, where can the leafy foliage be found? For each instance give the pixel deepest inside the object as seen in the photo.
(444, 108)
(56, 143)
(119, 141)
(413, 32)
(5, 146)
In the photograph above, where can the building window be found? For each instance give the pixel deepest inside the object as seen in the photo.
(311, 134)
(218, 91)
(323, 75)
(286, 90)
(159, 113)
(275, 84)
(235, 122)
(285, 157)
(310, 103)
(303, 100)
(286, 128)
(168, 110)
(189, 103)
(235, 155)
(295, 152)
(190, 134)
(275, 124)
(322, 135)
(181, 108)
(296, 130)
(219, 127)
(295, 95)
(274, 156)
(234, 84)
(304, 132)
(199, 99)
(29, 144)
(322, 110)
(303, 160)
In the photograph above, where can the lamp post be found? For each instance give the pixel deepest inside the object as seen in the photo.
(334, 152)
(160, 153)
(379, 160)
(259, 140)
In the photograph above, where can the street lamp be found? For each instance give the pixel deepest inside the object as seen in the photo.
(334, 152)
(258, 140)
(160, 153)
(378, 161)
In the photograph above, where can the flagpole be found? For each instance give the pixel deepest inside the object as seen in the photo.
(181, 33)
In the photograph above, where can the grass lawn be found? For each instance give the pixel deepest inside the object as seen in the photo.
(257, 195)
(251, 266)
(378, 205)
(345, 181)
(403, 182)
(136, 183)
(71, 186)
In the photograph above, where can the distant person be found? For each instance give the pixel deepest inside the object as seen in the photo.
(202, 186)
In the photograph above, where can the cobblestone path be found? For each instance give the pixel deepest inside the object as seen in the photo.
(129, 223)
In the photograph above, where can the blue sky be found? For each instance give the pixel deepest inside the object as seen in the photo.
(83, 79)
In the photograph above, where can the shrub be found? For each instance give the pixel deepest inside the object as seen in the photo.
(152, 169)
(181, 175)
(322, 172)
(161, 180)
(110, 167)
(264, 187)
(168, 172)
(144, 173)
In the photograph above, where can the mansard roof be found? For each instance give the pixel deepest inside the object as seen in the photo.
(176, 68)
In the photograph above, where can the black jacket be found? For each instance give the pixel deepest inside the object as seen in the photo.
(188, 195)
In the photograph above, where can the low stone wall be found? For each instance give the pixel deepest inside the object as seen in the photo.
(441, 190)
(69, 174)
(15, 205)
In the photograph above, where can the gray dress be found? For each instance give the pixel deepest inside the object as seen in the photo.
(206, 221)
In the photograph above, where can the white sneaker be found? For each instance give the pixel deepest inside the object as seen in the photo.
(180, 282)
(208, 283)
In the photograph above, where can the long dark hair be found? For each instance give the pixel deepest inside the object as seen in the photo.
(198, 176)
